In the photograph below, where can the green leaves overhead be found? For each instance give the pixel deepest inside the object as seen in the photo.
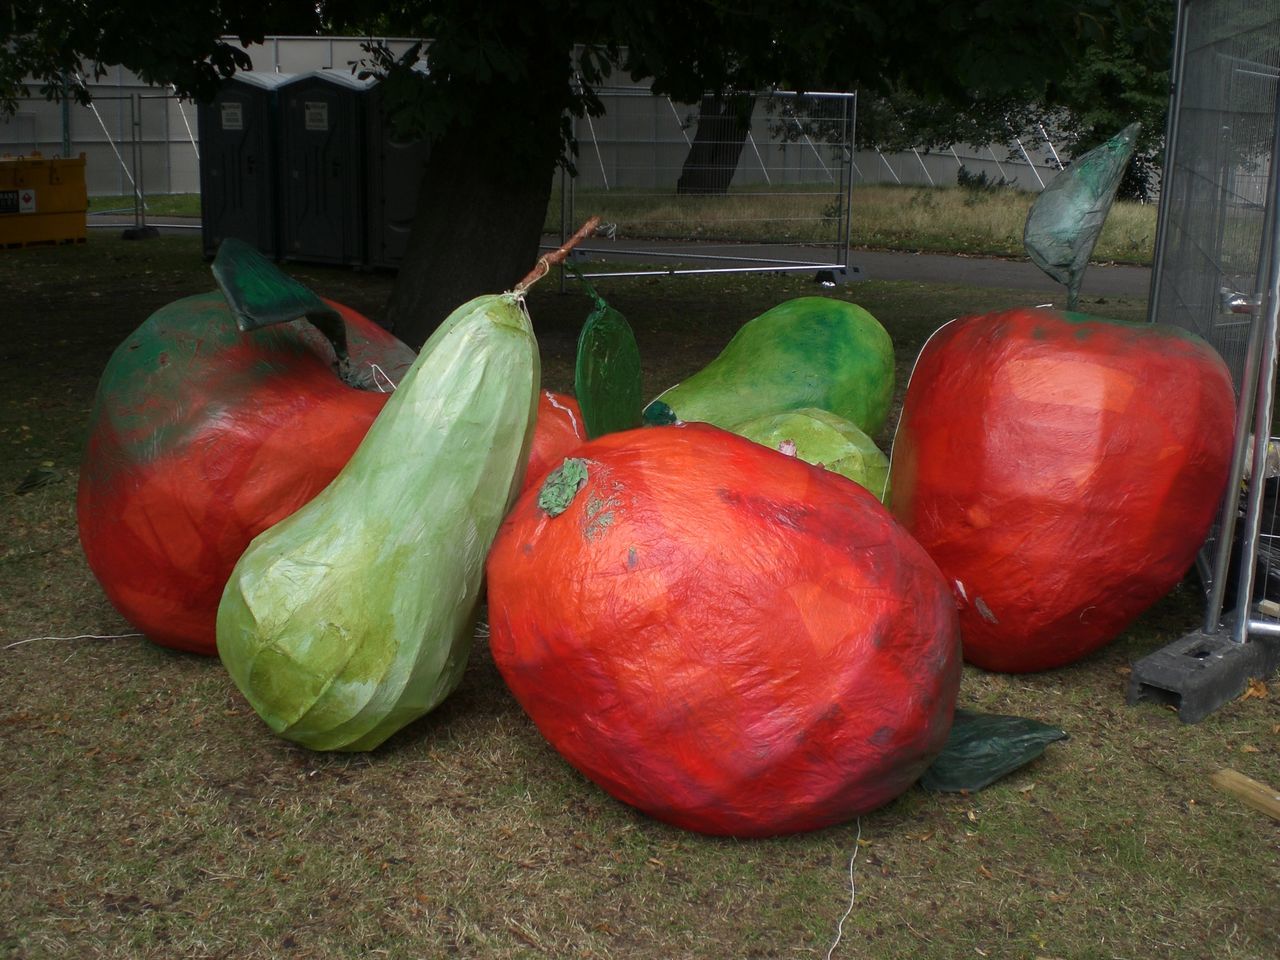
(493, 65)
(184, 42)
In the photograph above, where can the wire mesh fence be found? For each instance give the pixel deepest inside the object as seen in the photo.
(1029, 162)
(128, 134)
(752, 181)
(788, 188)
(1216, 271)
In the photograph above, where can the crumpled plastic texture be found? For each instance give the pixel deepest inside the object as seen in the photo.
(984, 747)
(807, 352)
(559, 431)
(1066, 219)
(727, 638)
(354, 616)
(201, 436)
(607, 372)
(1062, 470)
(822, 438)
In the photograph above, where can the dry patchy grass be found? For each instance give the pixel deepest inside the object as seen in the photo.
(146, 812)
(931, 219)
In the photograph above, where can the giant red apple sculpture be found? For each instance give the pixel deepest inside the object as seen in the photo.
(727, 638)
(559, 430)
(201, 437)
(1062, 470)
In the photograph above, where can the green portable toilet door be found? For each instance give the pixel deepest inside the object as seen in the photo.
(393, 171)
(239, 163)
(323, 189)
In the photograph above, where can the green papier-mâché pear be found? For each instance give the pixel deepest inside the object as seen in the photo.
(807, 352)
(354, 616)
(821, 437)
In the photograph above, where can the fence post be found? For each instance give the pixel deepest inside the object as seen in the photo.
(66, 120)
(927, 175)
(1026, 157)
(133, 156)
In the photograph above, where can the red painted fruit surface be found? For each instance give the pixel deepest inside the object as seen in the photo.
(559, 431)
(725, 637)
(1062, 470)
(201, 437)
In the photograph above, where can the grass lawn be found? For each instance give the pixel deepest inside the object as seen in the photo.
(147, 812)
(928, 219)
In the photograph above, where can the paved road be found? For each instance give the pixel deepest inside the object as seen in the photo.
(1099, 280)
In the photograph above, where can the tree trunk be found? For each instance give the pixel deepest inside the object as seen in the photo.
(476, 231)
(723, 125)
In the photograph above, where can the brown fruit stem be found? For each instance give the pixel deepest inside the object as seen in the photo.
(544, 264)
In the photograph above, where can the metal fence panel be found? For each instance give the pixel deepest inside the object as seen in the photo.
(654, 135)
(664, 177)
(1216, 264)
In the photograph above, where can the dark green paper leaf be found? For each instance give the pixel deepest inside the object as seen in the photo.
(607, 377)
(260, 294)
(1064, 223)
(983, 747)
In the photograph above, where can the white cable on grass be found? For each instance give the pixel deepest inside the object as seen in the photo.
(853, 892)
(79, 636)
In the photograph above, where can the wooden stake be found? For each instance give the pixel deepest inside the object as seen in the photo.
(544, 264)
(1255, 794)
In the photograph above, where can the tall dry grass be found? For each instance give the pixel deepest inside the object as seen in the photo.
(954, 220)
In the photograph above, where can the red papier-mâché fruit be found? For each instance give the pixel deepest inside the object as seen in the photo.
(559, 431)
(725, 637)
(1062, 470)
(202, 436)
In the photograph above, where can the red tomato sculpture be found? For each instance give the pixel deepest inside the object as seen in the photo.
(558, 432)
(201, 437)
(1062, 470)
(725, 637)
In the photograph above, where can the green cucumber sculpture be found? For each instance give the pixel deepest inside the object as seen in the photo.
(354, 616)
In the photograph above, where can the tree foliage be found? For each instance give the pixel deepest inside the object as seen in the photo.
(1114, 86)
(503, 82)
(1121, 76)
(60, 43)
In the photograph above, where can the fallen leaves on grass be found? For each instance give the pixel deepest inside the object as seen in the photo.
(1256, 689)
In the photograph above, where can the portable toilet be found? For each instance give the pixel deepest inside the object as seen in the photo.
(322, 151)
(239, 160)
(395, 168)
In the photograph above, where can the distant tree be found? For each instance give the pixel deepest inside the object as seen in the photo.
(721, 133)
(503, 83)
(1120, 76)
(1124, 77)
(58, 42)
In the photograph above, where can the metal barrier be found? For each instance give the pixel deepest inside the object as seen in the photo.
(1217, 273)
(768, 175)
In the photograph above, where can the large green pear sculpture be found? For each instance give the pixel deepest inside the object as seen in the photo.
(354, 616)
(806, 352)
(821, 437)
